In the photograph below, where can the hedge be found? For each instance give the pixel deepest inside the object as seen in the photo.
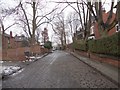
(48, 45)
(80, 45)
(107, 45)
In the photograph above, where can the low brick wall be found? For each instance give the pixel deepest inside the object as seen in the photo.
(111, 61)
(82, 53)
(35, 49)
(18, 53)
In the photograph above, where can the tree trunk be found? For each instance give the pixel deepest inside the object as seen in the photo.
(61, 39)
(33, 24)
(64, 35)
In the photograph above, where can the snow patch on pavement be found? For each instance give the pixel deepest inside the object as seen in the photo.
(8, 70)
(34, 58)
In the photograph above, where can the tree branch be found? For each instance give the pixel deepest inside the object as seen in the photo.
(26, 19)
(9, 26)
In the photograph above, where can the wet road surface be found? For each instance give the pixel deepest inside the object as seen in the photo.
(58, 70)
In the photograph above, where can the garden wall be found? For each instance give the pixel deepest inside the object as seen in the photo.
(18, 53)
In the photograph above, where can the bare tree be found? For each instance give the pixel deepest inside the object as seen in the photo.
(72, 23)
(33, 20)
(83, 13)
(96, 10)
(37, 35)
(59, 29)
(5, 13)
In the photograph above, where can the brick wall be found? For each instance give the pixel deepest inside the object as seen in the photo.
(35, 49)
(107, 60)
(111, 61)
(18, 53)
(5, 42)
(82, 53)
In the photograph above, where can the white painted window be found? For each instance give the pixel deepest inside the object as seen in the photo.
(92, 30)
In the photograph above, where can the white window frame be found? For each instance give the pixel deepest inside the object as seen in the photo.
(92, 30)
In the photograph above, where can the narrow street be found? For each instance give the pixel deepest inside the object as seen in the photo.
(58, 70)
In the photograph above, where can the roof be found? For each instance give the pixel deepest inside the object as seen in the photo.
(20, 38)
(6, 35)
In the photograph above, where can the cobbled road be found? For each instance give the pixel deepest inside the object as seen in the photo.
(58, 70)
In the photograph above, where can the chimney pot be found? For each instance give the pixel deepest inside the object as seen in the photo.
(11, 34)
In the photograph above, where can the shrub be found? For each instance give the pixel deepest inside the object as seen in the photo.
(48, 45)
(80, 45)
(25, 43)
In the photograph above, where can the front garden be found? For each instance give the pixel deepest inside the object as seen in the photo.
(108, 45)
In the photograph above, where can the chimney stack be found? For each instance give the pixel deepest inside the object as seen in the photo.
(103, 9)
(11, 34)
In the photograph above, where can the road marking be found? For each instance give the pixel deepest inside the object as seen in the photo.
(54, 58)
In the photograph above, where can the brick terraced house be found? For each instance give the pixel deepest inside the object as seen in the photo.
(94, 32)
(14, 48)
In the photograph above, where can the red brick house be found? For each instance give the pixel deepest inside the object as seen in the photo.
(94, 32)
(10, 42)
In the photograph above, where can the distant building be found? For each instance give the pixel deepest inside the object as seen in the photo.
(45, 35)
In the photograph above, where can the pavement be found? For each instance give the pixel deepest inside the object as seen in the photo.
(58, 70)
(107, 70)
